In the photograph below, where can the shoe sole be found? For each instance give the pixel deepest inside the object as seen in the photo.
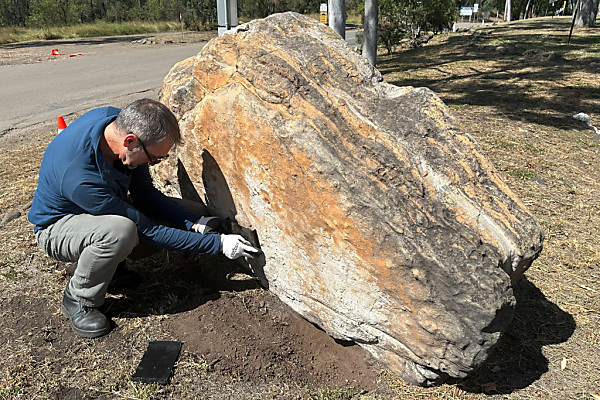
(81, 332)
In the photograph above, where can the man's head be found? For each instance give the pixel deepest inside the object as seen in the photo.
(149, 130)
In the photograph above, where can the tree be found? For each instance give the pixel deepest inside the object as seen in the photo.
(586, 12)
(400, 19)
(47, 13)
(14, 12)
(392, 24)
(203, 14)
(438, 14)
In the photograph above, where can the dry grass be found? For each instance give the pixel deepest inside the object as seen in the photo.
(14, 34)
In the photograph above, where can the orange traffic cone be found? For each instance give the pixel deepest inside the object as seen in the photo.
(61, 124)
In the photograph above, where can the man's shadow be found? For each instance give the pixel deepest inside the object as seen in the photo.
(517, 360)
(177, 281)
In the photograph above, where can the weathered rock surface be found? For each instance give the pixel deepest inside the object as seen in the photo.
(380, 220)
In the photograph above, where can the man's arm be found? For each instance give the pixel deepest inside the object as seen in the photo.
(154, 203)
(102, 200)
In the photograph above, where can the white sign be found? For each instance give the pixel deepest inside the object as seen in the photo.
(475, 7)
(323, 7)
(466, 11)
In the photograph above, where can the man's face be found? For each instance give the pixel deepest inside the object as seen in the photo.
(137, 153)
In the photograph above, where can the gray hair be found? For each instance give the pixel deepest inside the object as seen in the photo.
(149, 120)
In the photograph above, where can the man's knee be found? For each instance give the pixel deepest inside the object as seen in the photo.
(123, 235)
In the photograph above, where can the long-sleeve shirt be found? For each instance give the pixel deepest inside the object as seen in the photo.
(76, 178)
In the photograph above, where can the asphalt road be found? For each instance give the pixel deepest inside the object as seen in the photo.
(37, 93)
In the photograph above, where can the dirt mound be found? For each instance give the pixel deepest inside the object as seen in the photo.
(254, 337)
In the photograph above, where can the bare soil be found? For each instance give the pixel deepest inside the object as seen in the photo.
(241, 342)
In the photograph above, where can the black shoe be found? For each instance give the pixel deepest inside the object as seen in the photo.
(86, 321)
(124, 278)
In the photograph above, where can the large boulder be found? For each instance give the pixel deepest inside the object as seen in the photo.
(380, 220)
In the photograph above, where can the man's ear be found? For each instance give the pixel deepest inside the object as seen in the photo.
(129, 140)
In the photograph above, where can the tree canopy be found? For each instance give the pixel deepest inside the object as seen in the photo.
(197, 13)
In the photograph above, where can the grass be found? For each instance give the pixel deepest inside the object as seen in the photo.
(522, 173)
(20, 34)
(334, 394)
(13, 274)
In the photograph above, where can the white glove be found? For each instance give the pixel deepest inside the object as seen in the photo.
(235, 246)
(204, 225)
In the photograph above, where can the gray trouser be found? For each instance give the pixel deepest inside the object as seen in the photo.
(97, 244)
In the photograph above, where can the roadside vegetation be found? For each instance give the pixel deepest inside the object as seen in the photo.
(14, 34)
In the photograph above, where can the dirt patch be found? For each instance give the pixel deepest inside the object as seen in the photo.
(257, 339)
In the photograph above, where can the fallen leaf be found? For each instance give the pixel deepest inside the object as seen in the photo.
(489, 387)
(563, 364)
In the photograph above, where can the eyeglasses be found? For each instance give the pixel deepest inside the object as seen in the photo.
(156, 160)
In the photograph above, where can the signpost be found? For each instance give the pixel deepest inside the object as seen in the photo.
(323, 18)
(466, 12)
(181, 20)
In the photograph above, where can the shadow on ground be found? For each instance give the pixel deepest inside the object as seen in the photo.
(79, 41)
(517, 360)
(520, 84)
(175, 283)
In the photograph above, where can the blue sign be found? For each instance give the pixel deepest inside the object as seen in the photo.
(466, 11)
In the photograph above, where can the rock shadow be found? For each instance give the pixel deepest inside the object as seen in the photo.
(100, 40)
(517, 360)
(175, 282)
(219, 202)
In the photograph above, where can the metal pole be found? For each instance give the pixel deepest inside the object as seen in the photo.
(575, 9)
(222, 16)
(370, 30)
(181, 20)
(226, 15)
(337, 16)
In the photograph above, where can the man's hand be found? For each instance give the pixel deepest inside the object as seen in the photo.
(235, 246)
(207, 225)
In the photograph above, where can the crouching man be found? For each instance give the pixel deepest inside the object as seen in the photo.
(80, 209)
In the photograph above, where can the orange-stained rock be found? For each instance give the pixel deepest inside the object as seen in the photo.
(380, 221)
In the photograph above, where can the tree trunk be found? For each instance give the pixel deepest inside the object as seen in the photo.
(587, 10)
(370, 30)
(337, 16)
(507, 8)
(525, 15)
